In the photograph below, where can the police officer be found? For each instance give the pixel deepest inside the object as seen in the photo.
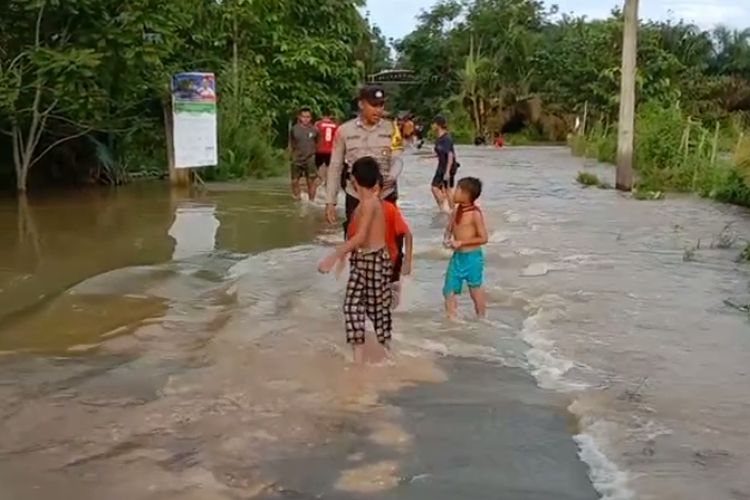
(369, 134)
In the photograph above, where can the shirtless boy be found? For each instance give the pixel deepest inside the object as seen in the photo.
(368, 292)
(465, 234)
(400, 243)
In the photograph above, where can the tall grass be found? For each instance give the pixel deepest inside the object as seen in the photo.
(600, 142)
(674, 152)
(245, 144)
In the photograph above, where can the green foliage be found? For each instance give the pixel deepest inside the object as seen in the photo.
(745, 254)
(527, 136)
(493, 56)
(246, 143)
(678, 153)
(600, 143)
(95, 74)
(645, 194)
(587, 179)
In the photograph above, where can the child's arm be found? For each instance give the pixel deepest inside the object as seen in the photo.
(402, 229)
(408, 253)
(481, 237)
(448, 234)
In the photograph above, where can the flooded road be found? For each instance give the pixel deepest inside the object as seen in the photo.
(158, 346)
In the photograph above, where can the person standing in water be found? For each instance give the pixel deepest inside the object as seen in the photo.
(445, 173)
(400, 242)
(326, 132)
(303, 138)
(369, 134)
(368, 291)
(466, 234)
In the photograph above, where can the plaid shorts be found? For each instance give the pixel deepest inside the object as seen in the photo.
(368, 295)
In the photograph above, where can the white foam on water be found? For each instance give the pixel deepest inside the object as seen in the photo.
(528, 252)
(432, 248)
(498, 236)
(551, 370)
(451, 347)
(330, 239)
(547, 366)
(512, 216)
(608, 480)
(279, 257)
(536, 269)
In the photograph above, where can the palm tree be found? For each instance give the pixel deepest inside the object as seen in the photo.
(731, 52)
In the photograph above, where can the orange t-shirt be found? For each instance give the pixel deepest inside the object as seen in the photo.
(395, 225)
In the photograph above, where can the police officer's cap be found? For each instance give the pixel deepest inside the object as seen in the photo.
(373, 94)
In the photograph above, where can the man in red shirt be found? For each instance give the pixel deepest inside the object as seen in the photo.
(326, 132)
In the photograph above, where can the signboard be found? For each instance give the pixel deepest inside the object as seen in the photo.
(397, 76)
(194, 120)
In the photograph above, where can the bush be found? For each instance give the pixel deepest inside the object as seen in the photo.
(676, 153)
(577, 144)
(528, 135)
(600, 143)
(732, 188)
(246, 141)
(587, 179)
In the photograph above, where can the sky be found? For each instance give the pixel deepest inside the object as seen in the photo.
(396, 18)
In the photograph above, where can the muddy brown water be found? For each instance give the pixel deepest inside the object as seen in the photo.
(163, 345)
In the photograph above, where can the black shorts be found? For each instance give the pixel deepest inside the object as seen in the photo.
(439, 180)
(322, 159)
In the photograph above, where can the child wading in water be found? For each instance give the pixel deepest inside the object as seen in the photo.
(465, 234)
(368, 292)
(397, 235)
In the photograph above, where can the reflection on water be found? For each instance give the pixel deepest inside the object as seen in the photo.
(194, 230)
(57, 243)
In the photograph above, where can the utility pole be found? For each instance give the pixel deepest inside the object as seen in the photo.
(626, 123)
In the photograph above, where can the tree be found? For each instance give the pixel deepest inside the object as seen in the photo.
(86, 83)
(38, 85)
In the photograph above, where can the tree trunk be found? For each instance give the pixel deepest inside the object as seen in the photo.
(626, 122)
(475, 109)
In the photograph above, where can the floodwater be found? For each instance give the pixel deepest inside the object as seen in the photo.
(158, 345)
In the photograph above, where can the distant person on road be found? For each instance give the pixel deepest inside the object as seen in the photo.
(419, 136)
(407, 129)
(368, 291)
(445, 173)
(327, 127)
(499, 141)
(466, 233)
(303, 138)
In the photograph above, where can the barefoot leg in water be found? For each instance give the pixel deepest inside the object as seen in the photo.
(437, 193)
(358, 354)
(480, 301)
(451, 306)
(395, 294)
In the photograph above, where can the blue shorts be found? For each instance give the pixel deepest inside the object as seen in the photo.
(464, 266)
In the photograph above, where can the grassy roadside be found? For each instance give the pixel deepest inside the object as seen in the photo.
(678, 153)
